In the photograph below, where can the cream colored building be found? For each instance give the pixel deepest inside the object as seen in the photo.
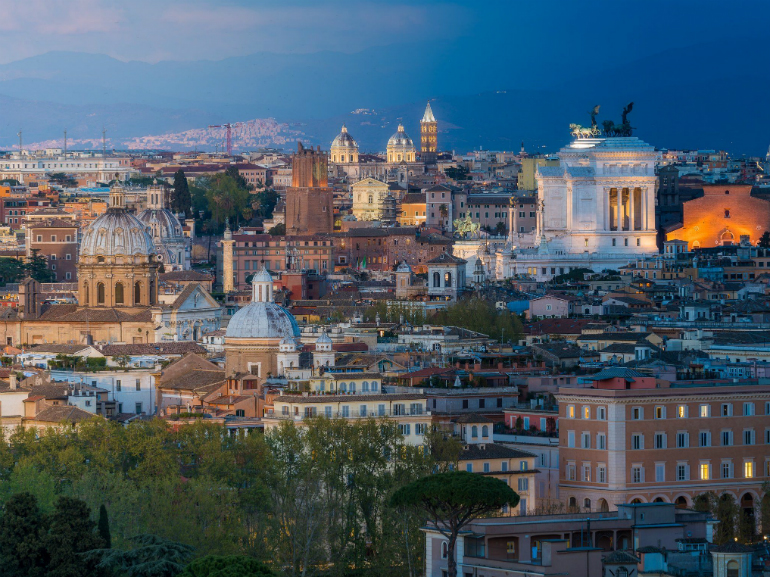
(369, 197)
(480, 454)
(408, 410)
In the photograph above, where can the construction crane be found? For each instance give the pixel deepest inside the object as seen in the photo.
(228, 127)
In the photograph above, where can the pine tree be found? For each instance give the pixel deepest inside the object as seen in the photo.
(104, 527)
(181, 199)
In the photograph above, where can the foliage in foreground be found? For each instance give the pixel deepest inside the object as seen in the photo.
(303, 500)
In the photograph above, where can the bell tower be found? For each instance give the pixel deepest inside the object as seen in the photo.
(428, 136)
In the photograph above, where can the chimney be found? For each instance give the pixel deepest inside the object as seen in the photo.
(12, 381)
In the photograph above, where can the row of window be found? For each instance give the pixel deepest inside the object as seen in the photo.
(523, 466)
(660, 440)
(363, 410)
(67, 238)
(682, 472)
(659, 411)
(119, 385)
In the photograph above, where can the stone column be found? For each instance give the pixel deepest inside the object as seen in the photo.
(644, 207)
(619, 210)
(606, 215)
(227, 266)
(631, 209)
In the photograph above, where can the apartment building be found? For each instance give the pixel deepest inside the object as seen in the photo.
(481, 455)
(633, 439)
(57, 241)
(408, 410)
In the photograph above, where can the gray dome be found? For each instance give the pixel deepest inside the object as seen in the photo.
(400, 139)
(262, 320)
(162, 223)
(344, 140)
(116, 232)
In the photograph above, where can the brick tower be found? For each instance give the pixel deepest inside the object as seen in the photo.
(309, 200)
(428, 136)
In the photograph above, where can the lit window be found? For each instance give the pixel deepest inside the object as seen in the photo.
(681, 412)
(586, 412)
(705, 471)
(748, 469)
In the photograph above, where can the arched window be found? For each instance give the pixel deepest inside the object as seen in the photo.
(448, 279)
(603, 506)
(587, 504)
(485, 431)
(622, 572)
(374, 386)
(352, 387)
(572, 503)
(733, 569)
(436, 280)
(85, 294)
(343, 387)
(371, 199)
(119, 293)
(100, 293)
(137, 292)
(474, 431)
(365, 386)
(727, 238)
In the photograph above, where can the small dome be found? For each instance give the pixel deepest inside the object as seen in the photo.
(324, 338)
(400, 139)
(262, 276)
(287, 345)
(344, 140)
(262, 320)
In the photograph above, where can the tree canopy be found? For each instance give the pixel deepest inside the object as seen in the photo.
(480, 316)
(452, 500)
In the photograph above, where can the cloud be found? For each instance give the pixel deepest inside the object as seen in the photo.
(59, 17)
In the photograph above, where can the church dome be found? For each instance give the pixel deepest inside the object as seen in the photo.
(344, 140)
(400, 147)
(116, 232)
(262, 318)
(162, 223)
(400, 139)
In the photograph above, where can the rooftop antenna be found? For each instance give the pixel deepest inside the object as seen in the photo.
(65, 143)
(19, 135)
(104, 142)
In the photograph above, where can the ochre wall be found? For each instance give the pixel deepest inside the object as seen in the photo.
(705, 219)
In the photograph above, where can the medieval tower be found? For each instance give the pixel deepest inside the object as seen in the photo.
(309, 200)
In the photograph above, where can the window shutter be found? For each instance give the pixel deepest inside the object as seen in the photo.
(687, 472)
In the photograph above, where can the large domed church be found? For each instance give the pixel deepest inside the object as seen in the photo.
(118, 265)
(117, 293)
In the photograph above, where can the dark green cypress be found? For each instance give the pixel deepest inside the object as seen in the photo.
(104, 527)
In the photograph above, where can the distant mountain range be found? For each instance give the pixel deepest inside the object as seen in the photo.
(706, 96)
